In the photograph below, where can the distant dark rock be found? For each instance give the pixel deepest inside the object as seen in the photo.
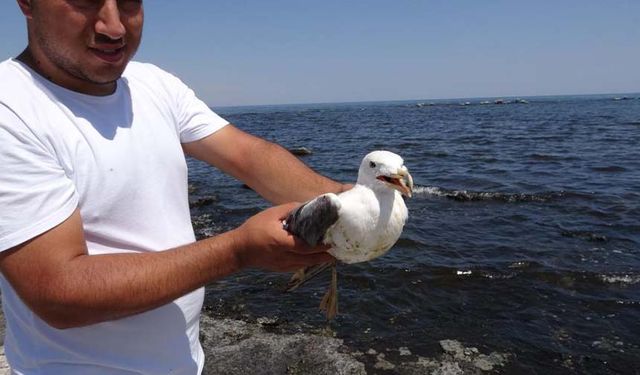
(300, 151)
(585, 235)
(205, 201)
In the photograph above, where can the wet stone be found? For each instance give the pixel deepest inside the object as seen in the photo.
(383, 364)
(451, 346)
(483, 363)
(448, 368)
(300, 151)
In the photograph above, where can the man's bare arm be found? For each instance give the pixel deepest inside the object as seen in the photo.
(56, 278)
(269, 169)
(65, 287)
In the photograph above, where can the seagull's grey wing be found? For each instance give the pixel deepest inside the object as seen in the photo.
(311, 220)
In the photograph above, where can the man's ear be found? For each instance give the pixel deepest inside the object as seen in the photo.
(26, 7)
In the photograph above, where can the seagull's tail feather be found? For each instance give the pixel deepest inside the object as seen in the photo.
(305, 274)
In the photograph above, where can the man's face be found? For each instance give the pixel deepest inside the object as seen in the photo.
(83, 45)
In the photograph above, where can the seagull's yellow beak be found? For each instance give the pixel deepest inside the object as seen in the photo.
(401, 181)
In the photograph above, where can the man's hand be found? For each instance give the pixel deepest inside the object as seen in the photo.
(262, 242)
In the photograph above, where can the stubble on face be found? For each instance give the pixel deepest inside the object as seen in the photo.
(62, 36)
(62, 57)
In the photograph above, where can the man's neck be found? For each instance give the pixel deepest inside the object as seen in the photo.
(27, 58)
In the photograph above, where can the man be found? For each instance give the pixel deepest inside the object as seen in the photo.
(101, 273)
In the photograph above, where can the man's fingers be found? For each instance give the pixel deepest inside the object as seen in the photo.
(287, 208)
(302, 247)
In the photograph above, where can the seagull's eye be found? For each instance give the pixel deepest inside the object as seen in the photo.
(372, 164)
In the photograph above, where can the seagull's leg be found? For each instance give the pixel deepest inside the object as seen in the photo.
(297, 279)
(329, 302)
(305, 274)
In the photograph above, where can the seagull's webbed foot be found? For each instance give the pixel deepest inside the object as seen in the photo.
(329, 302)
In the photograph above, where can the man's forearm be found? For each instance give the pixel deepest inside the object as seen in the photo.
(269, 169)
(96, 288)
(54, 275)
(281, 177)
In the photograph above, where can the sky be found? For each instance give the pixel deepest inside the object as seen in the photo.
(252, 52)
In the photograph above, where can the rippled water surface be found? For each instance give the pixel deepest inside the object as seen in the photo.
(523, 237)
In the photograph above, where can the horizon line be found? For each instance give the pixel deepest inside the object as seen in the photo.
(424, 99)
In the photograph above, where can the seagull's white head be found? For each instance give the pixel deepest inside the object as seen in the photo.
(384, 170)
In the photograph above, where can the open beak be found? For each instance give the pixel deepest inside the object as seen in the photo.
(401, 181)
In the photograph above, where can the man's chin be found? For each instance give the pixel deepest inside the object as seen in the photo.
(95, 82)
(105, 76)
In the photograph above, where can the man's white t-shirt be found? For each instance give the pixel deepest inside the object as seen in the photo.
(117, 158)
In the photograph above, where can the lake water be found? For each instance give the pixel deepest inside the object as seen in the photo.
(523, 235)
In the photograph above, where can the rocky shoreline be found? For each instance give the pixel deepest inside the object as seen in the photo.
(239, 347)
(236, 347)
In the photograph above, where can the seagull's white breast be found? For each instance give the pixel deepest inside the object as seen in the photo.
(369, 224)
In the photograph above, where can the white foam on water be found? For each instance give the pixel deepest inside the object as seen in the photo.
(620, 279)
(428, 190)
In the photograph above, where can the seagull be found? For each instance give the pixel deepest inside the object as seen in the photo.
(359, 224)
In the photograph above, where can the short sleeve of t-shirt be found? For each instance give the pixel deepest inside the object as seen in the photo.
(35, 193)
(195, 120)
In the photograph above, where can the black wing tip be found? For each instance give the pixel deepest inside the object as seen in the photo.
(311, 220)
